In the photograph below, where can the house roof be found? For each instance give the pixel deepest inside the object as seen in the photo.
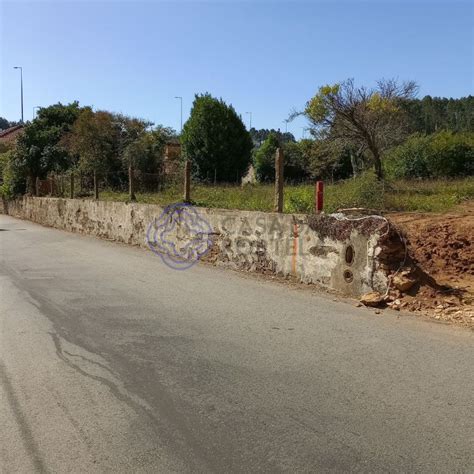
(10, 134)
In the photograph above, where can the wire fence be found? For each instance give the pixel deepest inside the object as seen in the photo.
(79, 184)
(175, 181)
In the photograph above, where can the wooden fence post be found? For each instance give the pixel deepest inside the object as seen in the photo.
(187, 181)
(96, 186)
(318, 197)
(279, 180)
(80, 182)
(131, 184)
(51, 185)
(71, 188)
(37, 186)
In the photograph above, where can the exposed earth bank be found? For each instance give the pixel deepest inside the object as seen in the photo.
(441, 247)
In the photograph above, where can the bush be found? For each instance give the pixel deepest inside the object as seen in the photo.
(12, 178)
(264, 159)
(452, 154)
(364, 191)
(215, 139)
(440, 155)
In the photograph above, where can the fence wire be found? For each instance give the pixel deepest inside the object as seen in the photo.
(82, 185)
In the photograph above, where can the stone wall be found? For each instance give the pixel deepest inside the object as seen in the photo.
(329, 250)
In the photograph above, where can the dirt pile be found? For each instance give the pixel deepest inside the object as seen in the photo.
(440, 270)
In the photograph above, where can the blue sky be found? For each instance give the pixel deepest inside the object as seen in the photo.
(264, 57)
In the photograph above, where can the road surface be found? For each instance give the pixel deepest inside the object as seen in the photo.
(112, 362)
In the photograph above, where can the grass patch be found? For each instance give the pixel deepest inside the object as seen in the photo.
(365, 191)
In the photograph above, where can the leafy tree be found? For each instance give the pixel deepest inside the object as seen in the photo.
(130, 129)
(146, 152)
(371, 119)
(39, 148)
(324, 160)
(95, 137)
(4, 123)
(264, 159)
(216, 141)
(296, 165)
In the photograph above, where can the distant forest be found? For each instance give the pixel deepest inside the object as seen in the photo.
(431, 114)
(427, 115)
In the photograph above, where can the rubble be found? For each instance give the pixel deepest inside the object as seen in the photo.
(372, 299)
(403, 280)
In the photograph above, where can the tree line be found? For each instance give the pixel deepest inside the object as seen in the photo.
(352, 129)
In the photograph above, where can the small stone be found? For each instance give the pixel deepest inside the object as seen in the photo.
(371, 299)
(403, 282)
(377, 311)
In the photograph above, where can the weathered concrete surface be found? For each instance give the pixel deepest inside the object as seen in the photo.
(312, 248)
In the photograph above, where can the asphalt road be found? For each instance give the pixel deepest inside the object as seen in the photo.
(112, 362)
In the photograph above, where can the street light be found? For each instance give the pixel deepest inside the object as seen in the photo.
(21, 85)
(34, 108)
(181, 99)
(250, 119)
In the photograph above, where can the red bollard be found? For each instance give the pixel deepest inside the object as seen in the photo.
(318, 197)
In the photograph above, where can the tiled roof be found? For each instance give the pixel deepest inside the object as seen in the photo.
(11, 133)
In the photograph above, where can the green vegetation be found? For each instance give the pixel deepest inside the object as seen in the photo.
(370, 120)
(216, 141)
(365, 191)
(264, 159)
(380, 147)
(432, 114)
(68, 137)
(39, 149)
(439, 155)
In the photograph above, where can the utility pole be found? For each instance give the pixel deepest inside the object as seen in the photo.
(21, 86)
(181, 100)
(250, 119)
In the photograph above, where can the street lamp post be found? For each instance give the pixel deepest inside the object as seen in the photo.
(34, 108)
(21, 85)
(181, 100)
(250, 119)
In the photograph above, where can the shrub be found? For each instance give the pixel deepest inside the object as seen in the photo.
(216, 140)
(264, 159)
(440, 155)
(12, 178)
(364, 191)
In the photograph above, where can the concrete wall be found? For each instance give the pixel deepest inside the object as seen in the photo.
(313, 248)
